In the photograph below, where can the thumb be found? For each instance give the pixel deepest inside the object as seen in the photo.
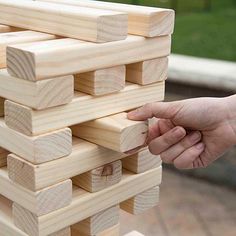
(164, 110)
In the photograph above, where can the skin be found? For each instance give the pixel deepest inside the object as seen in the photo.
(190, 133)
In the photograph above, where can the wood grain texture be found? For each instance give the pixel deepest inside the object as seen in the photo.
(7, 28)
(3, 157)
(141, 202)
(101, 82)
(82, 108)
(145, 21)
(114, 231)
(141, 161)
(37, 61)
(38, 95)
(86, 204)
(98, 223)
(41, 202)
(115, 132)
(85, 156)
(147, 72)
(36, 149)
(2, 100)
(88, 24)
(99, 178)
(11, 38)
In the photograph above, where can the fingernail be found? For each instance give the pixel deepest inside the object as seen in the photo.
(195, 136)
(178, 132)
(200, 146)
(132, 114)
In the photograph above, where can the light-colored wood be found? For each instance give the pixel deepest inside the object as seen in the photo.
(40, 202)
(147, 72)
(114, 231)
(38, 149)
(48, 59)
(145, 21)
(100, 178)
(115, 132)
(2, 100)
(141, 161)
(11, 38)
(86, 204)
(38, 95)
(7, 28)
(88, 24)
(101, 82)
(141, 202)
(97, 223)
(85, 156)
(82, 108)
(134, 233)
(3, 157)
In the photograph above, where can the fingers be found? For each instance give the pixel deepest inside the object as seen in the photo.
(165, 141)
(169, 155)
(187, 159)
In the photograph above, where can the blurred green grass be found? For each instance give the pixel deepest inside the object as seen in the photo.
(201, 33)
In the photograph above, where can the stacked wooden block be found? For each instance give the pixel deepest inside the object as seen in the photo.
(69, 73)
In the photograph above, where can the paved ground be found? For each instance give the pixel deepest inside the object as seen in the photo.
(188, 207)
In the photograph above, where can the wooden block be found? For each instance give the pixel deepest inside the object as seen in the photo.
(82, 108)
(11, 38)
(100, 178)
(141, 202)
(38, 95)
(101, 82)
(38, 149)
(145, 21)
(7, 28)
(115, 132)
(33, 61)
(2, 100)
(41, 202)
(134, 233)
(97, 223)
(3, 157)
(88, 24)
(141, 161)
(86, 204)
(147, 72)
(114, 231)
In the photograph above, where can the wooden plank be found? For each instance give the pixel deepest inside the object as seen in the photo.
(145, 21)
(85, 156)
(101, 82)
(82, 108)
(3, 157)
(141, 202)
(11, 38)
(147, 72)
(141, 161)
(38, 149)
(2, 100)
(100, 178)
(40, 202)
(88, 24)
(114, 231)
(115, 132)
(7, 28)
(97, 223)
(86, 204)
(33, 61)
(38, 95)
(7, 225)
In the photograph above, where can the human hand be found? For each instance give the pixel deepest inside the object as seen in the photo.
(190, 133)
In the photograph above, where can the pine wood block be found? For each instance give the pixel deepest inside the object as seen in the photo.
(115, 132)
(37, 61)
(38, 149)
(3, 157)
(114, 231)
(85, 204)
(141, 202)
(82, 108)
(38, 95)
(88, 24)
(41, 202)
(97, 223)
(11, 38)
(101, 82)
(7, 28)
(2, 100)
(145, 21)
(141, 161)
(147, 72)
(100, 178)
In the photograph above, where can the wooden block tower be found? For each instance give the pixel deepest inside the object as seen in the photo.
(70, 71)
